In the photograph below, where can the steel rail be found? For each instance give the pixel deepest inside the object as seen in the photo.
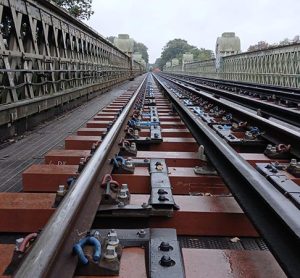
(283, 133)
(269, 109)
(289, 94)
(260, 88)
(51, 255)
(273, 215)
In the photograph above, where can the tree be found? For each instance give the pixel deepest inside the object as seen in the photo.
(143, 49)
(296, 39)
(174, 49)
(81, 9)
(259, 46)
(286, 41)
(202, 54)
(177, 47)
(158, 63)
(111, 39)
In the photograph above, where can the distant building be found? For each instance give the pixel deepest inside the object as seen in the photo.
(175, 62)
(227, 44)
(124, 43)
(187, 57)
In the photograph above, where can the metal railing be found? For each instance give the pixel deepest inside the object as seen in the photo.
(279, 66)
(44, 50)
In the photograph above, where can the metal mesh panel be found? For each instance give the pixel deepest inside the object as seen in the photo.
(222, 243)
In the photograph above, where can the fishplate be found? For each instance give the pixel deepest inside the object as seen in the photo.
(277, 175)
(164, 258)
(161, 193)
(165, 254)
(161, 201)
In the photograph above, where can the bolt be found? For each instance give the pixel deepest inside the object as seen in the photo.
(161, 191)
(61, 190)
(166, 261)
(97, 235)
(128, 163)
(165, 246)
(112, 237)
(122, 194)
(158, 166)
(269, 147)
(124, 186)
(163, 198)
(18, 243)
(141, 233)
(110, 252)
(121, 205)
(133, 146)
(269, 166)
(82, 160)
(94, 146)
(81, 164)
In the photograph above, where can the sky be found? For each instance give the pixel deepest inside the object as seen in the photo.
(200, 22)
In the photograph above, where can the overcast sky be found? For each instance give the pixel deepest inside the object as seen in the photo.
(200, 22)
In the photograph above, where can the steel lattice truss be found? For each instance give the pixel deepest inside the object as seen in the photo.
(204, 68)
(278, 66)
(45, 51)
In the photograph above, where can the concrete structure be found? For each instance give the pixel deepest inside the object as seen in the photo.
(228, 44)
(175, 62)
(124, 43)
(187, 57)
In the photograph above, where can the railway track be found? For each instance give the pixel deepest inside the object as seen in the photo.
(269, 101)
(162, 182)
